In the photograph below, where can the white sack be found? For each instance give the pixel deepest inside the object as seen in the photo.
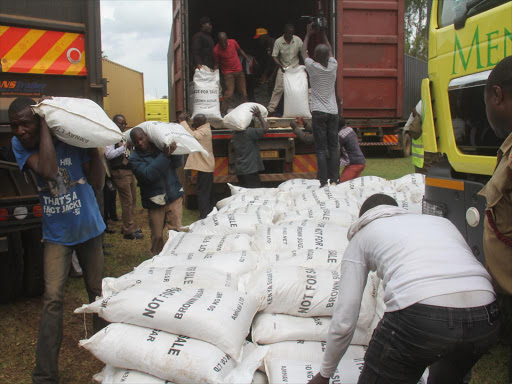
(286, 238)
(171, 357)
(266, 212)
(347, 204)
(172, 276)
(162, 134)
(180, 242)
(283, 370)
(229, 223)
(308, 258)
(339, 217)
(295, 183)
(78, 122)
(249, 198)
(240, 117)
(410, 201)
(297, 291)
(314, 198)
(218, 316)
(236, 262)
(270, 328)
(364, 182)
(112, 375)
(296, 92)
(206, 93)
(253, 191)
(414, 179)
(259, 378)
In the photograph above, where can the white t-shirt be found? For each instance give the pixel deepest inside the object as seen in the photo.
(323, 81)
(418, 257)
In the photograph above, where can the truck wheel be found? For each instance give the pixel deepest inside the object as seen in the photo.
(11, 269)
(406, 149)
(33, 271)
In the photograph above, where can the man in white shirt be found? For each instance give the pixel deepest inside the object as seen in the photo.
(440, 305)
(322, 77)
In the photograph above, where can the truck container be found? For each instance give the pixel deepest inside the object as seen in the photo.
(47, 47)
(157, 110)
(125, 92)
(368, 43)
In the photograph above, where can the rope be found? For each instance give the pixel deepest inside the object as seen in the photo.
(504, 239)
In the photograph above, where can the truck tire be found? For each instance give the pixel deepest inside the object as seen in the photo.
(407, 144)
(11, 269)
(33, 271)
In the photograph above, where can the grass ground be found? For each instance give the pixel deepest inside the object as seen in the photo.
(19, 321)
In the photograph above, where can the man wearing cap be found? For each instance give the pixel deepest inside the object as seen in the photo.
(264, 56)
(286, 55)
(202, 45)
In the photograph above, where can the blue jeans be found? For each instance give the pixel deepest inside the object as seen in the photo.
(448, 340)
(57, 259)
(327, 146)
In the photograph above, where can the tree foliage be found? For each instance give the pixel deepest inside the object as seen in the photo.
(416, 28)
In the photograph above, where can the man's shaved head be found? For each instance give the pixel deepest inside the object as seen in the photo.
(376, 200)
(199, 120)
(322, 54)
(498, 98)
(140, 139)
(223, 39)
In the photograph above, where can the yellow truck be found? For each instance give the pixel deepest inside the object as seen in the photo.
(467, 38)
(157, 110)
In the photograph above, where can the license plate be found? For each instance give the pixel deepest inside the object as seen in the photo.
(370, 133)
(269, 154)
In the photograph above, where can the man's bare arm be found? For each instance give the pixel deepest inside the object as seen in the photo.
(44, 163)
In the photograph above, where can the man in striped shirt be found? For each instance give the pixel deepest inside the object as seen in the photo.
(322, 77)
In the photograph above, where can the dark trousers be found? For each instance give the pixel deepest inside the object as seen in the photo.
(251, 180)
(325, 132)
(57, 260)
(109, 196)
(448, 340)
(205, 198)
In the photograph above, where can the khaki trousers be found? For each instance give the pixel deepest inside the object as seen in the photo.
(278, 92)
(167, 215)
(125, 184)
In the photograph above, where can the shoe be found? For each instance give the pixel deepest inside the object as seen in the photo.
(323, 185)
(133, 236)
(333, 184)
(138, 230)
(109, 231)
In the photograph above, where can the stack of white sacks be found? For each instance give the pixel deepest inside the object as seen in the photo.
(267, 259)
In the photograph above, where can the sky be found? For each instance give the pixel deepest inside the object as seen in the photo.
(136, 33)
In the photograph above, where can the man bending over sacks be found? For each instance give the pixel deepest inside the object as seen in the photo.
(66, 176)
(160, 188)
(440, 305)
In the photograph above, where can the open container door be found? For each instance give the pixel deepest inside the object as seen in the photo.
(178, 70)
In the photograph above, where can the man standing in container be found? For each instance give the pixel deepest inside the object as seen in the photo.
(248, 162)
(201, 50)
(72, 221)
(117, 156)
(286, 55)
(225, 55)
(322, 77)
(161, 192)
(204, 166)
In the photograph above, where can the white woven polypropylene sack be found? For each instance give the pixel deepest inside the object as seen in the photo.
(276, 205)
(285, 370)
(179, 359)
(286, 238)
(78, 122)
(339, 217)
(347, 204)
(236, 262)
(218, 316)
(112, 375)
(240, 117)
(297, 183)
(162, 134)
(296, 291)
(409, 201)
(364, 182)
(206, 93)
(270, 328)
(308, 258)
(264, 211)
(315, 197)
(229, 223)
(414, 179)
(253, 191)
(175, 276)
(296, 92)
(180, 242)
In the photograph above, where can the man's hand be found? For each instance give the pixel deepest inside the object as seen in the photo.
(299, 120)
(283, 69)
(414, 112)
(182, 117)
(256, 111)
(44, 97)
(199, 66)
(169, 149)
(293, 125)
(319, 379)
(310, 29)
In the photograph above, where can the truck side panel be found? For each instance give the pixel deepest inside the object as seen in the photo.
(370, 45)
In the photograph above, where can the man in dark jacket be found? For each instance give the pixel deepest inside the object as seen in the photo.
(160, 188)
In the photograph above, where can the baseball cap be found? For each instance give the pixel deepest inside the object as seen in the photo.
(260, 32)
